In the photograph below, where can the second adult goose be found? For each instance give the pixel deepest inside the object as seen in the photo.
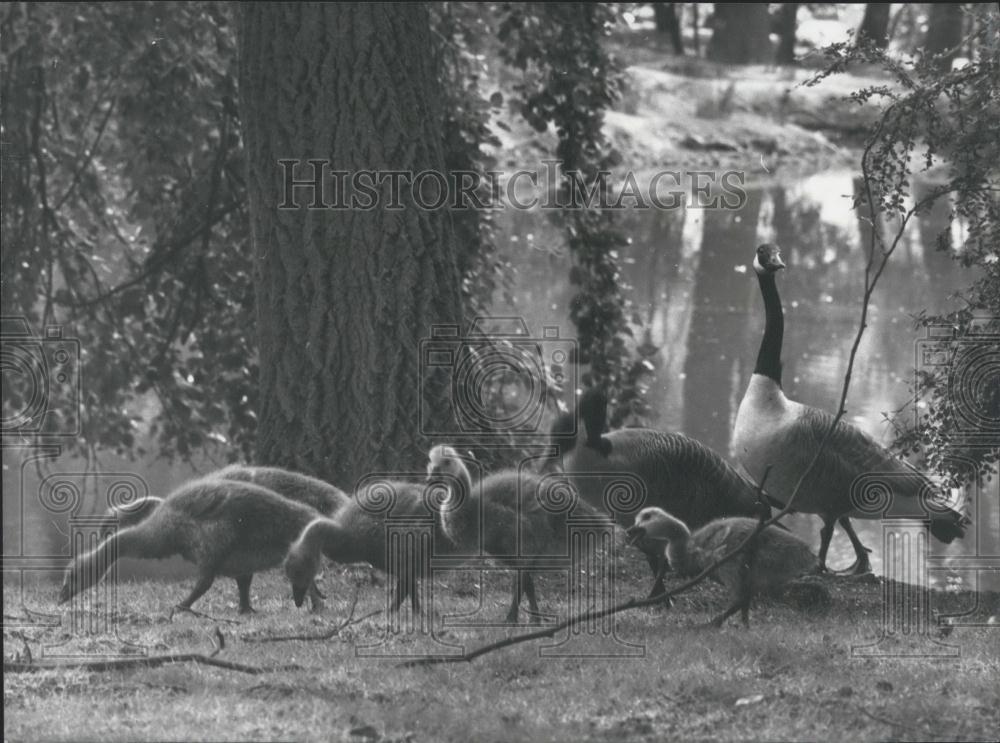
(772, 430)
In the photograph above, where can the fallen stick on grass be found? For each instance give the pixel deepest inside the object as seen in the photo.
(155, 661)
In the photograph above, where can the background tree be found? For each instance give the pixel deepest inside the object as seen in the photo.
(785, 26)
(345, 295)
(668, 23)
(741, 34)
(875, 24)
(944, 33)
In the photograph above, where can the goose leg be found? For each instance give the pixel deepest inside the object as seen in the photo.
(529, 590)
(721, 619)
(658, 564)
(515, 600)
(243, 584)
(738, 581)
(205, 581)
(400, 594)
(861, 564)
(315, 598)
(825, 534)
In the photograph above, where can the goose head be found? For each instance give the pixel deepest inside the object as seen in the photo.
(301, 567)
(653, 525)
(768, 259)
(444, 463)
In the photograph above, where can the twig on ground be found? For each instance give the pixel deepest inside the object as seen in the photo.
(188, 610)
(887, 721)
(120, 664)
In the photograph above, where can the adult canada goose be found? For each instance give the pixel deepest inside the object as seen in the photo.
(681, 475)
(776, 558)
(504, 516)
(772, 430)
(357, 533)
(222, 526)
(309, 491)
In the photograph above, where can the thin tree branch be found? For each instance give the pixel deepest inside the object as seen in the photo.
(120, 664)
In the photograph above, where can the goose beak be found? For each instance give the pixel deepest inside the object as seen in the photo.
(635, 534)
(298, 595)
(64, 594)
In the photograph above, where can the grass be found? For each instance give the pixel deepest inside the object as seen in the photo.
(790, 676)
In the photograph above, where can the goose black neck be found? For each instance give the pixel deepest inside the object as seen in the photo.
(769, 356)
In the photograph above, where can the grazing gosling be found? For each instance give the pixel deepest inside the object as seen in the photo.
(224, 527)
(515, 526)
(309, 491)
(295, 486)
(355, 534)
(133, 513)
(777, 558)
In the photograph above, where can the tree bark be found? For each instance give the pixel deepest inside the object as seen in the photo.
(344, 296)
(944, 32)
(667, 22)
(875, 24)
(741, 34)
(786, 33)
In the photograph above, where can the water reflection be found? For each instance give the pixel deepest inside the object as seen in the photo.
(689, 281)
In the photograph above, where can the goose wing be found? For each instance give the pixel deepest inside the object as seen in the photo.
(849, 467)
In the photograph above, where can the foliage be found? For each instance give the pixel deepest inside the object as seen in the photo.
(125, 161)
(947, 123)
(467, 134)
(569, 81)
(124, 208)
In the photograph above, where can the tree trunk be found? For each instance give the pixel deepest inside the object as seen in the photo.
(695, 28)
(719, 349)
(741, 34)
(786, 33)
(944, 33)
(344, 296)
(875, 24)
(667, 22)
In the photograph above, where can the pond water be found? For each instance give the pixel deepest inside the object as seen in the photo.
(691, 285)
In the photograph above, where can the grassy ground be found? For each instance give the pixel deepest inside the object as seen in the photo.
(791, 676)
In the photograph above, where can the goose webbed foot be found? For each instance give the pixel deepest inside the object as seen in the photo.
(862, 566)
(246, 610)
(660, 592)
